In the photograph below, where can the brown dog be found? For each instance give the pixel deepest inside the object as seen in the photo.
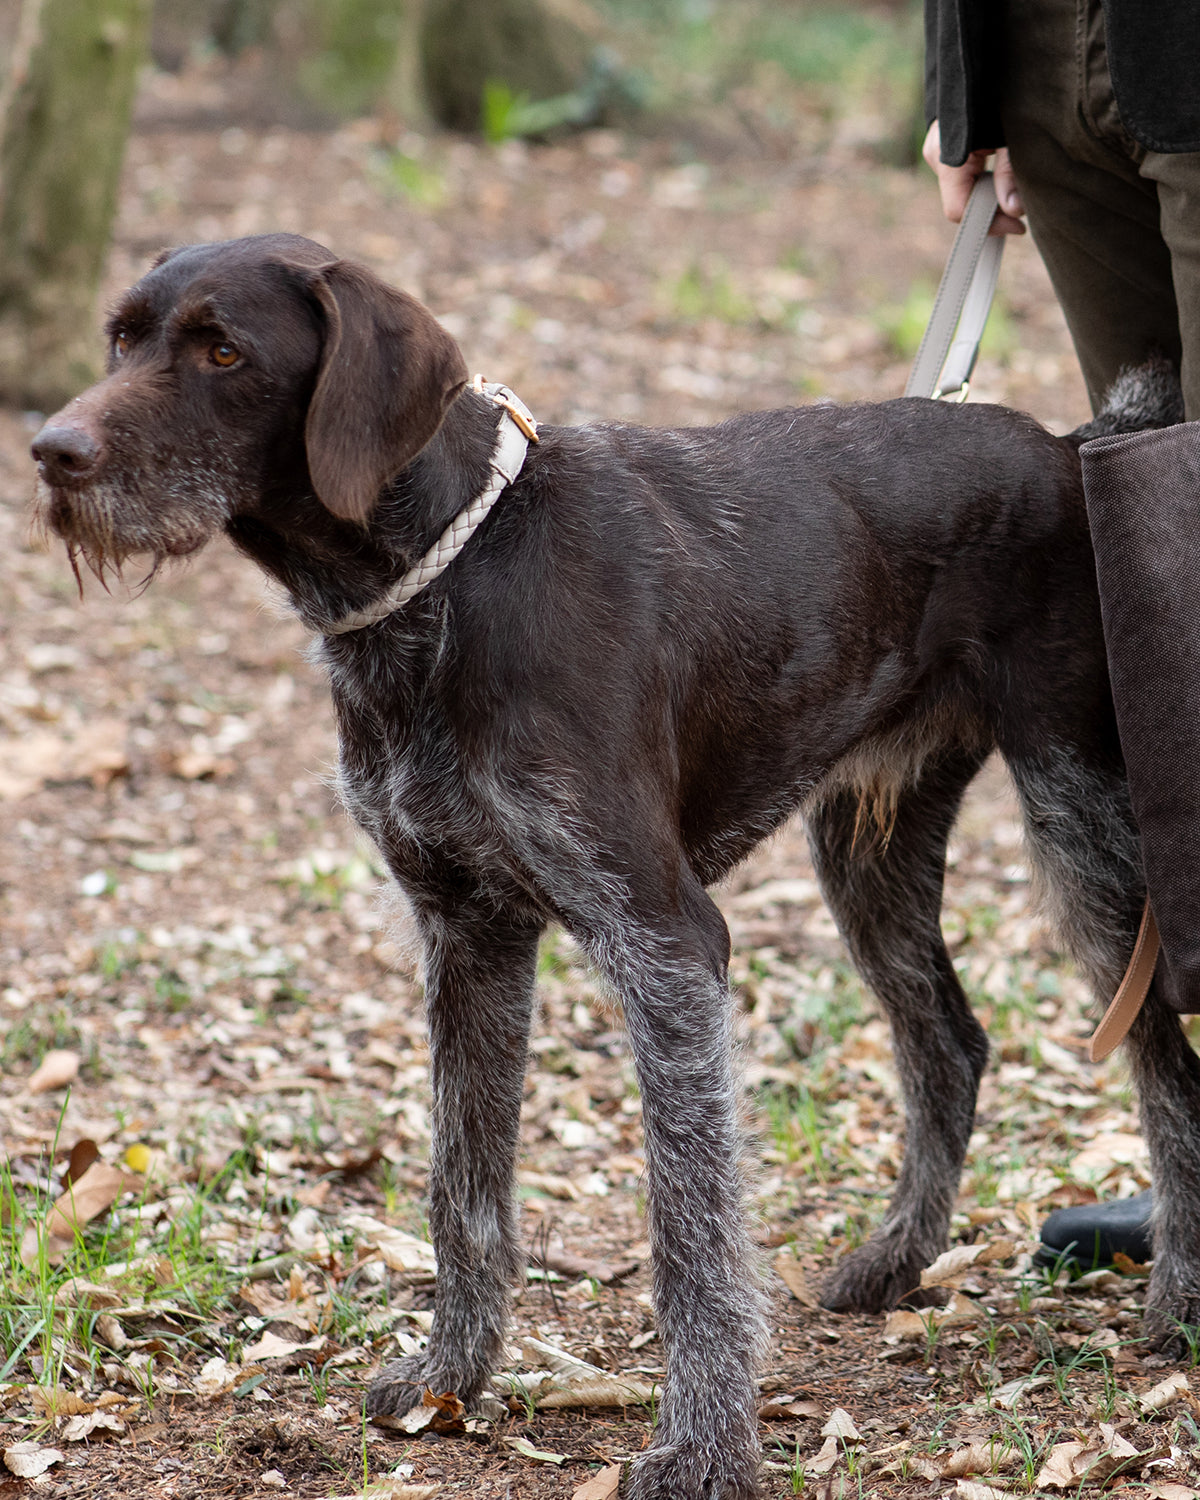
(656, 646)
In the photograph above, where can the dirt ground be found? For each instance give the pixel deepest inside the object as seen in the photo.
(191, 930)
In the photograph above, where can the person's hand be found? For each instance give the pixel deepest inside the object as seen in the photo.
(955, 184)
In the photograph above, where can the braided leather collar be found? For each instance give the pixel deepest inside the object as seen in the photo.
(517, 429)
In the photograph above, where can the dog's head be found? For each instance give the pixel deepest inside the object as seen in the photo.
(237, 371)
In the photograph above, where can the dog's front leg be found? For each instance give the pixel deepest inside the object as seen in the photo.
(707, 1300)
(479, 976)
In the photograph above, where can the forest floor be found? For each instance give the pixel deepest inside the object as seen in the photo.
(202, 995)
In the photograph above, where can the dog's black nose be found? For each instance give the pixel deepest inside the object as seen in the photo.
(66, 455)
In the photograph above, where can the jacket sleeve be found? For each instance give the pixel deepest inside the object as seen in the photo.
(962, 76)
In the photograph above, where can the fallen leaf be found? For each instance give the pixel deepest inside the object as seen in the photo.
(1172, 1492)
(571, 1382)
(773, 1409)
(1071, 1465)
(110, 1332)
(216, 1377)
(904, 1324)
(976, 1458)
(298, 1307)
(1067, 1465)
(556, 1258)
(1117, 1445)
(966, 1489)
(1008, 1394)
(89, 1424)
(83, 1154)
(602, 1486)
(99, 1187)
(901, 1324)
(270, 1346)
(438, 1413)
(824, 1460)
(76, 1292)
(36, 760)
(950, 1267)
(403, 1253)
(305, 1234)
(1104, 1151)
(197, 765)
(841, 1425)
(526, 1449)
(56, 1401)
(795, 1278)
(1174, 1388)
(28, 1460)
(552, 1186)
(55, 1071)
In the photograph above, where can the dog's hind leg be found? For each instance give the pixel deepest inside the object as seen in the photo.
(669, 967)
(886, 898)
(1082, 835)
(479, 975)
(1167, 1073)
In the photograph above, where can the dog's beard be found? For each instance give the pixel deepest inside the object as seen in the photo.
(106, 527)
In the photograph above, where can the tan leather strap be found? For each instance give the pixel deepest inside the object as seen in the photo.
(1131, 994)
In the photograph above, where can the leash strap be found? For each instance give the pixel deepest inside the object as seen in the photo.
(942, 370)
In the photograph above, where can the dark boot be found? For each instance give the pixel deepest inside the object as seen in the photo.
(1090, 1235)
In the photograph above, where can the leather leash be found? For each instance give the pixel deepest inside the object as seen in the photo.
(942, 370)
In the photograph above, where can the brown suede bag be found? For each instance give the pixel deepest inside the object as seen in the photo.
(1143, 501)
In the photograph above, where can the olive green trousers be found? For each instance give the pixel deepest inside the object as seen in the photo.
(1118, 225)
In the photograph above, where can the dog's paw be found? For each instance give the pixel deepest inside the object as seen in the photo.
(1171, 1322)
(877, 1277)
(402, 1384)
(679, 1472)
(397, 1388)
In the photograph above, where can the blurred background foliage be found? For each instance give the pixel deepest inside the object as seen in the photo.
(533, 67)
(790, 77)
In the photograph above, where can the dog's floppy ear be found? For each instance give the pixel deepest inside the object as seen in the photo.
(388, 373)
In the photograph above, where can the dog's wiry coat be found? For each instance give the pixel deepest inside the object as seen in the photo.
(657, 647)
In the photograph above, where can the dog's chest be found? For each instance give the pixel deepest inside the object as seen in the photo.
(437, 809)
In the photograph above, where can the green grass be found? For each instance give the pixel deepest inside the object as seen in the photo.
(141, 1255)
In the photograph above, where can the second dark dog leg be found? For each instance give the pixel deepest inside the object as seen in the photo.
(887, 900)
(1081, 832)
(479, 976)
(707, 1298)
(1167, 1073)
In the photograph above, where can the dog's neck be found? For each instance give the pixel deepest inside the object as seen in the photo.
(331, 568)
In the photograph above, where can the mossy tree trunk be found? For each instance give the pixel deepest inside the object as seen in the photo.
(535, 47)
(64, 118)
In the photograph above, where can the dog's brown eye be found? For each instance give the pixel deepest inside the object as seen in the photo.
(224, 355)
(121, 344)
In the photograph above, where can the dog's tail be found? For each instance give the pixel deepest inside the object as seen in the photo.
(1141, 398)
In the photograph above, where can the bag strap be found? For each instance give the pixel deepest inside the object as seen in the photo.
(942, 370)
(1131, 995)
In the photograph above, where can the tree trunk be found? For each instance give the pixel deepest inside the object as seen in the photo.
(64, 119)
(538, 48)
